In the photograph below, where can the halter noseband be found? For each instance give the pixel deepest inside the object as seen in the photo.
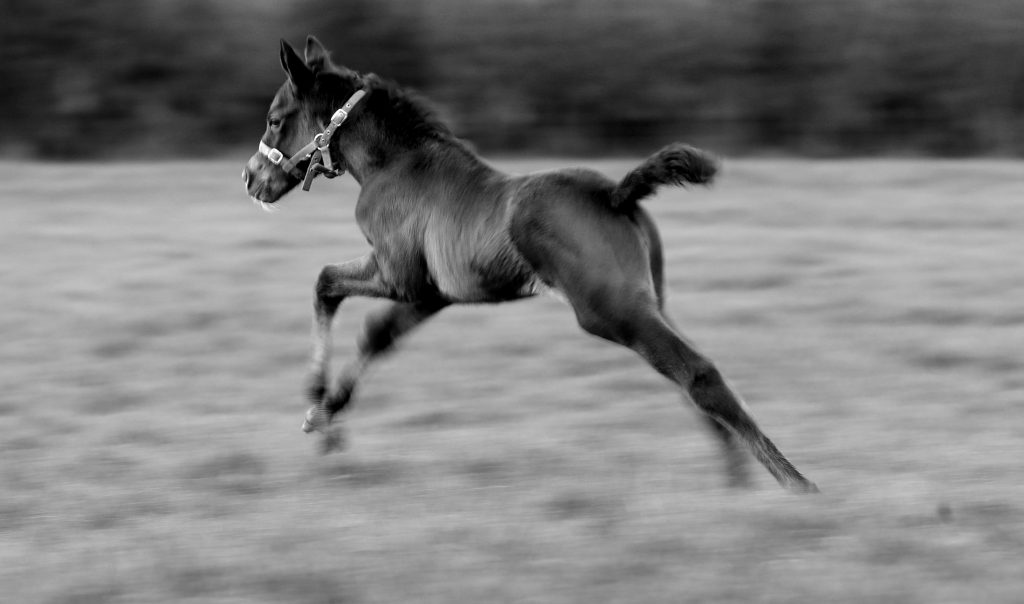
(319, 149)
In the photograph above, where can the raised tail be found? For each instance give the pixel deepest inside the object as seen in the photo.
(676, 164)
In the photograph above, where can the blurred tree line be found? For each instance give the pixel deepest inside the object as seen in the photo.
(158, 78)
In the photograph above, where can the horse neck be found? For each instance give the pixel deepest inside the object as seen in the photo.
(371, 147)
(393, 127)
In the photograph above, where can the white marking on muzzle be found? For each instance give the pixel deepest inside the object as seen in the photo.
(266, 206)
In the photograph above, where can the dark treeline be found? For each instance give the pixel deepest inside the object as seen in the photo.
(159, 78)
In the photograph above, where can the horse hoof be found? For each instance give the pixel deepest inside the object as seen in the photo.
(805, 488)
(314, 421)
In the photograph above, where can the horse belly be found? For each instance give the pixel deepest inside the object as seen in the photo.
(490, 274)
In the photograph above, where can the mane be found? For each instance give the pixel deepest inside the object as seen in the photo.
(406, 113)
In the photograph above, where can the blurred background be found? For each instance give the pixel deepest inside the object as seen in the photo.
(821, 78)
(855, 272)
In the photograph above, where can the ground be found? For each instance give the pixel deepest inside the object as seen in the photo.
(155, 331)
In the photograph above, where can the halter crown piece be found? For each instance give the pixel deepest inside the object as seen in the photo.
(319, 149)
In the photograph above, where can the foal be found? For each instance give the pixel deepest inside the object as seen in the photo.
(446, 228)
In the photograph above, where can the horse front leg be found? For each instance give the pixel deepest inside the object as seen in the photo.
(381, 331)
(359, 277)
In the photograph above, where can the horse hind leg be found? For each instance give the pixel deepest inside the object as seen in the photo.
(610, 271)
(647, 332)
(713, 396)
(736, 456)
(728, 416)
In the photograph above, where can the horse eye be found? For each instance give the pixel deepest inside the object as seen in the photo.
(274, 122)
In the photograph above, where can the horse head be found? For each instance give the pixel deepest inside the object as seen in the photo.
(300, 125)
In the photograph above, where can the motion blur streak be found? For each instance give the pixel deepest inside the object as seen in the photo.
(155, 336)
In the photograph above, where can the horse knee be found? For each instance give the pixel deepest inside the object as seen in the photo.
(325, 291)
(325, 282)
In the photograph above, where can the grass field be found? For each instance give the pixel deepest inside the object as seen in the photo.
(154, 337)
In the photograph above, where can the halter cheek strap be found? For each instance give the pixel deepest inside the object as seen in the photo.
(319, 149)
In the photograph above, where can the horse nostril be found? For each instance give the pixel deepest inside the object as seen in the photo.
(245, 177)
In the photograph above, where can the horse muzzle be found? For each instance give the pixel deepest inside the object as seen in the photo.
(263, 183)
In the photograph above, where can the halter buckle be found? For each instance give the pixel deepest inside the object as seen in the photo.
(275, 157)
(339, 116)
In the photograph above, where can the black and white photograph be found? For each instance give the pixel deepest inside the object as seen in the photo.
(525, 301)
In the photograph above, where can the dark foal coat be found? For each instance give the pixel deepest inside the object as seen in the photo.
(444, 227)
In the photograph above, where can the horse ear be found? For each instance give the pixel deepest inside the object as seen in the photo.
(317, 57)
(299, 74)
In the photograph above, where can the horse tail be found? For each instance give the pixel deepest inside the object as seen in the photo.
(676, 164)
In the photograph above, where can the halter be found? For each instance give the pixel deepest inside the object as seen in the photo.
(319, 149)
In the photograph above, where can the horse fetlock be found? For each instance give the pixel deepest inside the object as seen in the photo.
(317, 420)
(793, 481)
(316, 387)
(340, 398)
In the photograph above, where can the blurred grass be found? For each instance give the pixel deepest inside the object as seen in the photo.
(155, 332)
